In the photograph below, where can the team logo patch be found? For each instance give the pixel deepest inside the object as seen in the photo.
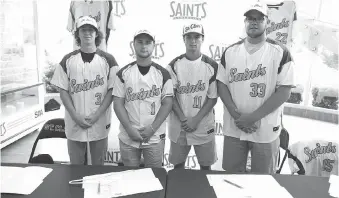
(162, 136)
(210, 131)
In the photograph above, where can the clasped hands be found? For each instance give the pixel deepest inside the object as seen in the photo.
(246, 122)
(189, 124)
(86, 121)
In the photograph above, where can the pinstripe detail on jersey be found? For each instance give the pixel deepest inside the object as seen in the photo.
(172, 63)
(286, 54)
(214, 64)
(66, 57)
(165, 74)
(122, 70)
(222, 60)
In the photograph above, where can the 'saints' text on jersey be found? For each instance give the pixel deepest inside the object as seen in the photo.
(142, 94)
(87, 85)
(190, 88)
(236, 77)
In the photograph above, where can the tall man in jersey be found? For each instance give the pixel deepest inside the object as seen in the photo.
(192, 121)
(143, 95)
(255, 77)
(86, 78)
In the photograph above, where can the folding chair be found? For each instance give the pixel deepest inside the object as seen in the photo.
(54, 128)
(284, 143)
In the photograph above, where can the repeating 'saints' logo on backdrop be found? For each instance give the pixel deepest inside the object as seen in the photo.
(119, 8)
(112, 156)
(158, 51)
(216, 51)
(188, 9)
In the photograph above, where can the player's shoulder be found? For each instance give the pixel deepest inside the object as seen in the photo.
(125, 68)
(108, 57)
(69, 56)
(231, 48)
(177, 59)
(235, 45)
(161, 69)
(279, 47)
(209, 61)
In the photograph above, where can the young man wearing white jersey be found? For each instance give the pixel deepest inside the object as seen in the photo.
(143, 96)
(86, 78)
(255, 77)
(192, 119)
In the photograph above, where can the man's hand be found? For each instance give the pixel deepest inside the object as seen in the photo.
(93, 118)
(134, 134)
(81, 121)
(190, 125)
(146, 133)
(246, 122)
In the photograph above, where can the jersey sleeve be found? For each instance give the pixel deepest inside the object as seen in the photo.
(119, 86)
(167, 89)
(222, 75)
(71, 19)
(114, 68)
(173, 75)
(212, 88)
(286, 71)
(60, 78)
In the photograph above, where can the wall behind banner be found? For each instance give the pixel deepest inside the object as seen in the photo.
(223, 22)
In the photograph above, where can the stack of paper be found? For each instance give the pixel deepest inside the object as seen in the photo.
(18, 180)
(253, 186)
(334, 183)
(118, 184)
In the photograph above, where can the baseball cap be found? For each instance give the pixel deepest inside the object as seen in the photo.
(144, 32)
(194, 27)
(259, 6)
(87, 20)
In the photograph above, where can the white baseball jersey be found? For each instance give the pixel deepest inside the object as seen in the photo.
(280, 21)
(87, 84)
(252, 79)
(318, 157)
(143, 96)
(101, 11)
(194, 81)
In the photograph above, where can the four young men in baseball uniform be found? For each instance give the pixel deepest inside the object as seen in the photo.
(253, 80)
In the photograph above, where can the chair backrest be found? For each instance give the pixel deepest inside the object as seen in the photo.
(316, 157)
(54, 128)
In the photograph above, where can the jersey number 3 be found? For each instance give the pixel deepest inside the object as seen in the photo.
(258, 90)
(98, 96)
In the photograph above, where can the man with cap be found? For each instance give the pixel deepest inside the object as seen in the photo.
(85, 78)
(192, 120)
(255, 77)
(143, 95)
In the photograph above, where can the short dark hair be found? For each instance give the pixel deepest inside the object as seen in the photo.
(98, 39)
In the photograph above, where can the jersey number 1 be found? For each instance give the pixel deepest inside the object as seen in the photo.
(153, 108)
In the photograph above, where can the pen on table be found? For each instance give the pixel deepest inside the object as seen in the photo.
(236, 185)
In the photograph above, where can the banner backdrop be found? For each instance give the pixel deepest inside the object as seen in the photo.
(223, 22)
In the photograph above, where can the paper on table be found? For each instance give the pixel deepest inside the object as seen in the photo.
(19, 180)
(123, 183)
(253, 185)
(334, 183)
